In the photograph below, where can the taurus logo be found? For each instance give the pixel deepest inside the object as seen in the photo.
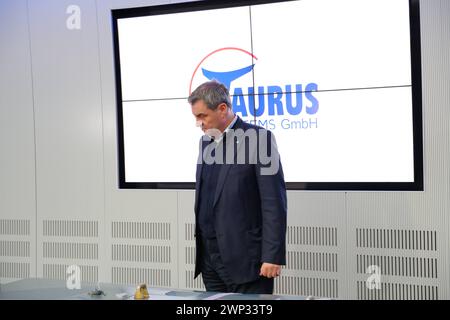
(227, 77)
(224, 77)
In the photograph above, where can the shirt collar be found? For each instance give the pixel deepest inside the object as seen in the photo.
(227, 129)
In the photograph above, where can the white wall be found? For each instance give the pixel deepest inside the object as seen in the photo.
(17, 145)
(60, 204)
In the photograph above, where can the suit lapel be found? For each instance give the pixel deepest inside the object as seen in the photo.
(230, 139)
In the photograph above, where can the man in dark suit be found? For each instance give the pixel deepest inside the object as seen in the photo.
(240, 198)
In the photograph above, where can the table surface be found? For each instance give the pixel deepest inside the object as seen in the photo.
(48, 289)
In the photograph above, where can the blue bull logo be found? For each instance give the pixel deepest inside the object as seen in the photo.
(227, 77)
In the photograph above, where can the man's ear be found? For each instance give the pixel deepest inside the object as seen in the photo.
(223, 107)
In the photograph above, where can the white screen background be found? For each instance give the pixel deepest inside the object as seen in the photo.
(356, 51)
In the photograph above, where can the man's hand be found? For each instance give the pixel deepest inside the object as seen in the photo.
(270, 270)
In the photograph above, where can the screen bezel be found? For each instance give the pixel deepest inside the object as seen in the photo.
(416, 87)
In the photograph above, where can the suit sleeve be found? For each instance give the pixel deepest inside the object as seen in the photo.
(272, 190)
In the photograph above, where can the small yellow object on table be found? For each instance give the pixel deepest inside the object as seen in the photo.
(141, 292)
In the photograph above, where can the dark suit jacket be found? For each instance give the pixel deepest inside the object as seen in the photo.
(250, 211)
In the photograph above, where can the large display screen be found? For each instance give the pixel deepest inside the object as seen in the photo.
(337, 82)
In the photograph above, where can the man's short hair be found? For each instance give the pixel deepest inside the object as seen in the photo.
(212, 93)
